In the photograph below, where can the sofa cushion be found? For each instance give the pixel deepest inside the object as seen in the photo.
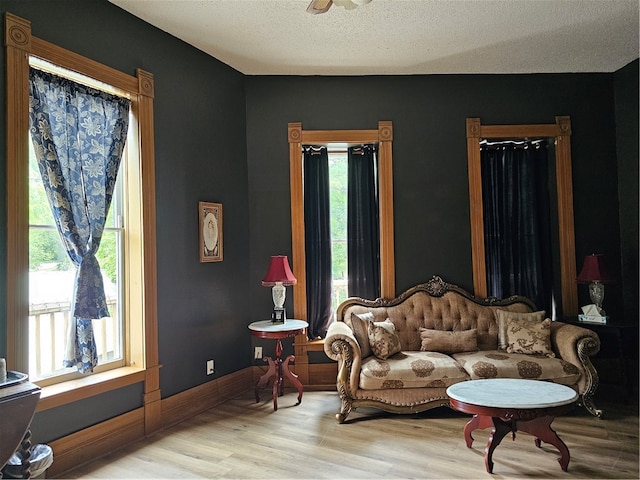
(499, 364)
(504, 316)
(530, 337)
(383, 339)
(360, 327)
(411, 369)
(449, 342)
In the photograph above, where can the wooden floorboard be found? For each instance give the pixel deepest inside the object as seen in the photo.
(244, 439)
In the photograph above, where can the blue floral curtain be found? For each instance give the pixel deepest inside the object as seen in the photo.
(78, 134)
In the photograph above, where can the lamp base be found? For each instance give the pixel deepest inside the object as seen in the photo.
(278, 316)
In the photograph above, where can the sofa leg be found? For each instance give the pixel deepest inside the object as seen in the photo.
(587, 402)
(344, 411)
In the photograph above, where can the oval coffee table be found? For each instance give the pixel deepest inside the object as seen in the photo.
(509, 405)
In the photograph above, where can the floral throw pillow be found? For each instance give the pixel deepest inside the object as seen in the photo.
(360, 326)
(505, 316)
(383, 339)
(529, 336)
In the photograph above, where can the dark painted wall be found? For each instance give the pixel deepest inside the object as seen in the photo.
(200, 152)
(432, 232)
(222, 137)
(626, 101)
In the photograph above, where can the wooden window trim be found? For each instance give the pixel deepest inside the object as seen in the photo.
(297, 137)
(561, 133)
(19, 46)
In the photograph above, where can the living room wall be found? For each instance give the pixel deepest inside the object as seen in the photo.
(222, 136)
(432, 231)
(200, 153)
(626, 101)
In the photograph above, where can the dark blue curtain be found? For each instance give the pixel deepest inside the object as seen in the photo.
(363, 237)
(516, 220)
(317, 240)
(78, 134)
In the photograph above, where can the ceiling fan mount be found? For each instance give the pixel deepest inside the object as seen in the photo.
(322, 6)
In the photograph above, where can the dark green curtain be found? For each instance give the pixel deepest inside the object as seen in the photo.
(363, 233)
(516, 220)
(317, 236)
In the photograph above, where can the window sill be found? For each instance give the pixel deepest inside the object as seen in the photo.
(73, 390)
(310, 345)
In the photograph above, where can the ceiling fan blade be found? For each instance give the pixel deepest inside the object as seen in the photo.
(319, 6)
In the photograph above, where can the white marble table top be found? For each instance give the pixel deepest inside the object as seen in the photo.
(512, 393)
(268, 326)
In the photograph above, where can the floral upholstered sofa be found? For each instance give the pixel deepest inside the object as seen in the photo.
(401, 354)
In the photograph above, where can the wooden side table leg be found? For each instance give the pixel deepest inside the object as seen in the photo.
(541, 428)
(277, 382)
(279, 367)
(500, 429)
(292, 377)
(280, 382)
(264, 379)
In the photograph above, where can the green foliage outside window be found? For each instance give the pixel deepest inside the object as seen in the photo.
(338, 179)
(46, 251)
(338, 208)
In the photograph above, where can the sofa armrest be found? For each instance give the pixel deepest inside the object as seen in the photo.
(341, 345)
(339, 331)
(575, 344)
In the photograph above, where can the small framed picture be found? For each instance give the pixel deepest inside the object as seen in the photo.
(210, 220)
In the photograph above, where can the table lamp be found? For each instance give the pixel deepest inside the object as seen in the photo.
(596, 274)
(278, 276)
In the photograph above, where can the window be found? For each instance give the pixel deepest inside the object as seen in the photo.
(338, 213)
(131, 228)
(383, 137)
(353, 275)
(561, 133)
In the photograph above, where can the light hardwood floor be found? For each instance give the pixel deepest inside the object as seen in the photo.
(245, 439)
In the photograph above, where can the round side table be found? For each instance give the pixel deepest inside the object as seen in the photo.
(278, 367)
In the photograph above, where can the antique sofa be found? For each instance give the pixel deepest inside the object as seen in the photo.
(400, 355)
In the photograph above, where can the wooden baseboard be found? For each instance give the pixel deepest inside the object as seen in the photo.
(189, 403)
(93, 442)
(323, 374)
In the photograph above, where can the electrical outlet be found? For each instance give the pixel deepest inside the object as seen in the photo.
(257, 353)
(210, 369)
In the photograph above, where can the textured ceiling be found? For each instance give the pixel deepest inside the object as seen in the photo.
(278, 37)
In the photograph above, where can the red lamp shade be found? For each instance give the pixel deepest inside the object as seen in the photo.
(279, 272)
(594, 270)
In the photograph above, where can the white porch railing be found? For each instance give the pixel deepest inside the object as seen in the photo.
(340, 293)
(48, 327)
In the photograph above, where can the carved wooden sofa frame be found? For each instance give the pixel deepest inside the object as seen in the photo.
(571, 343)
